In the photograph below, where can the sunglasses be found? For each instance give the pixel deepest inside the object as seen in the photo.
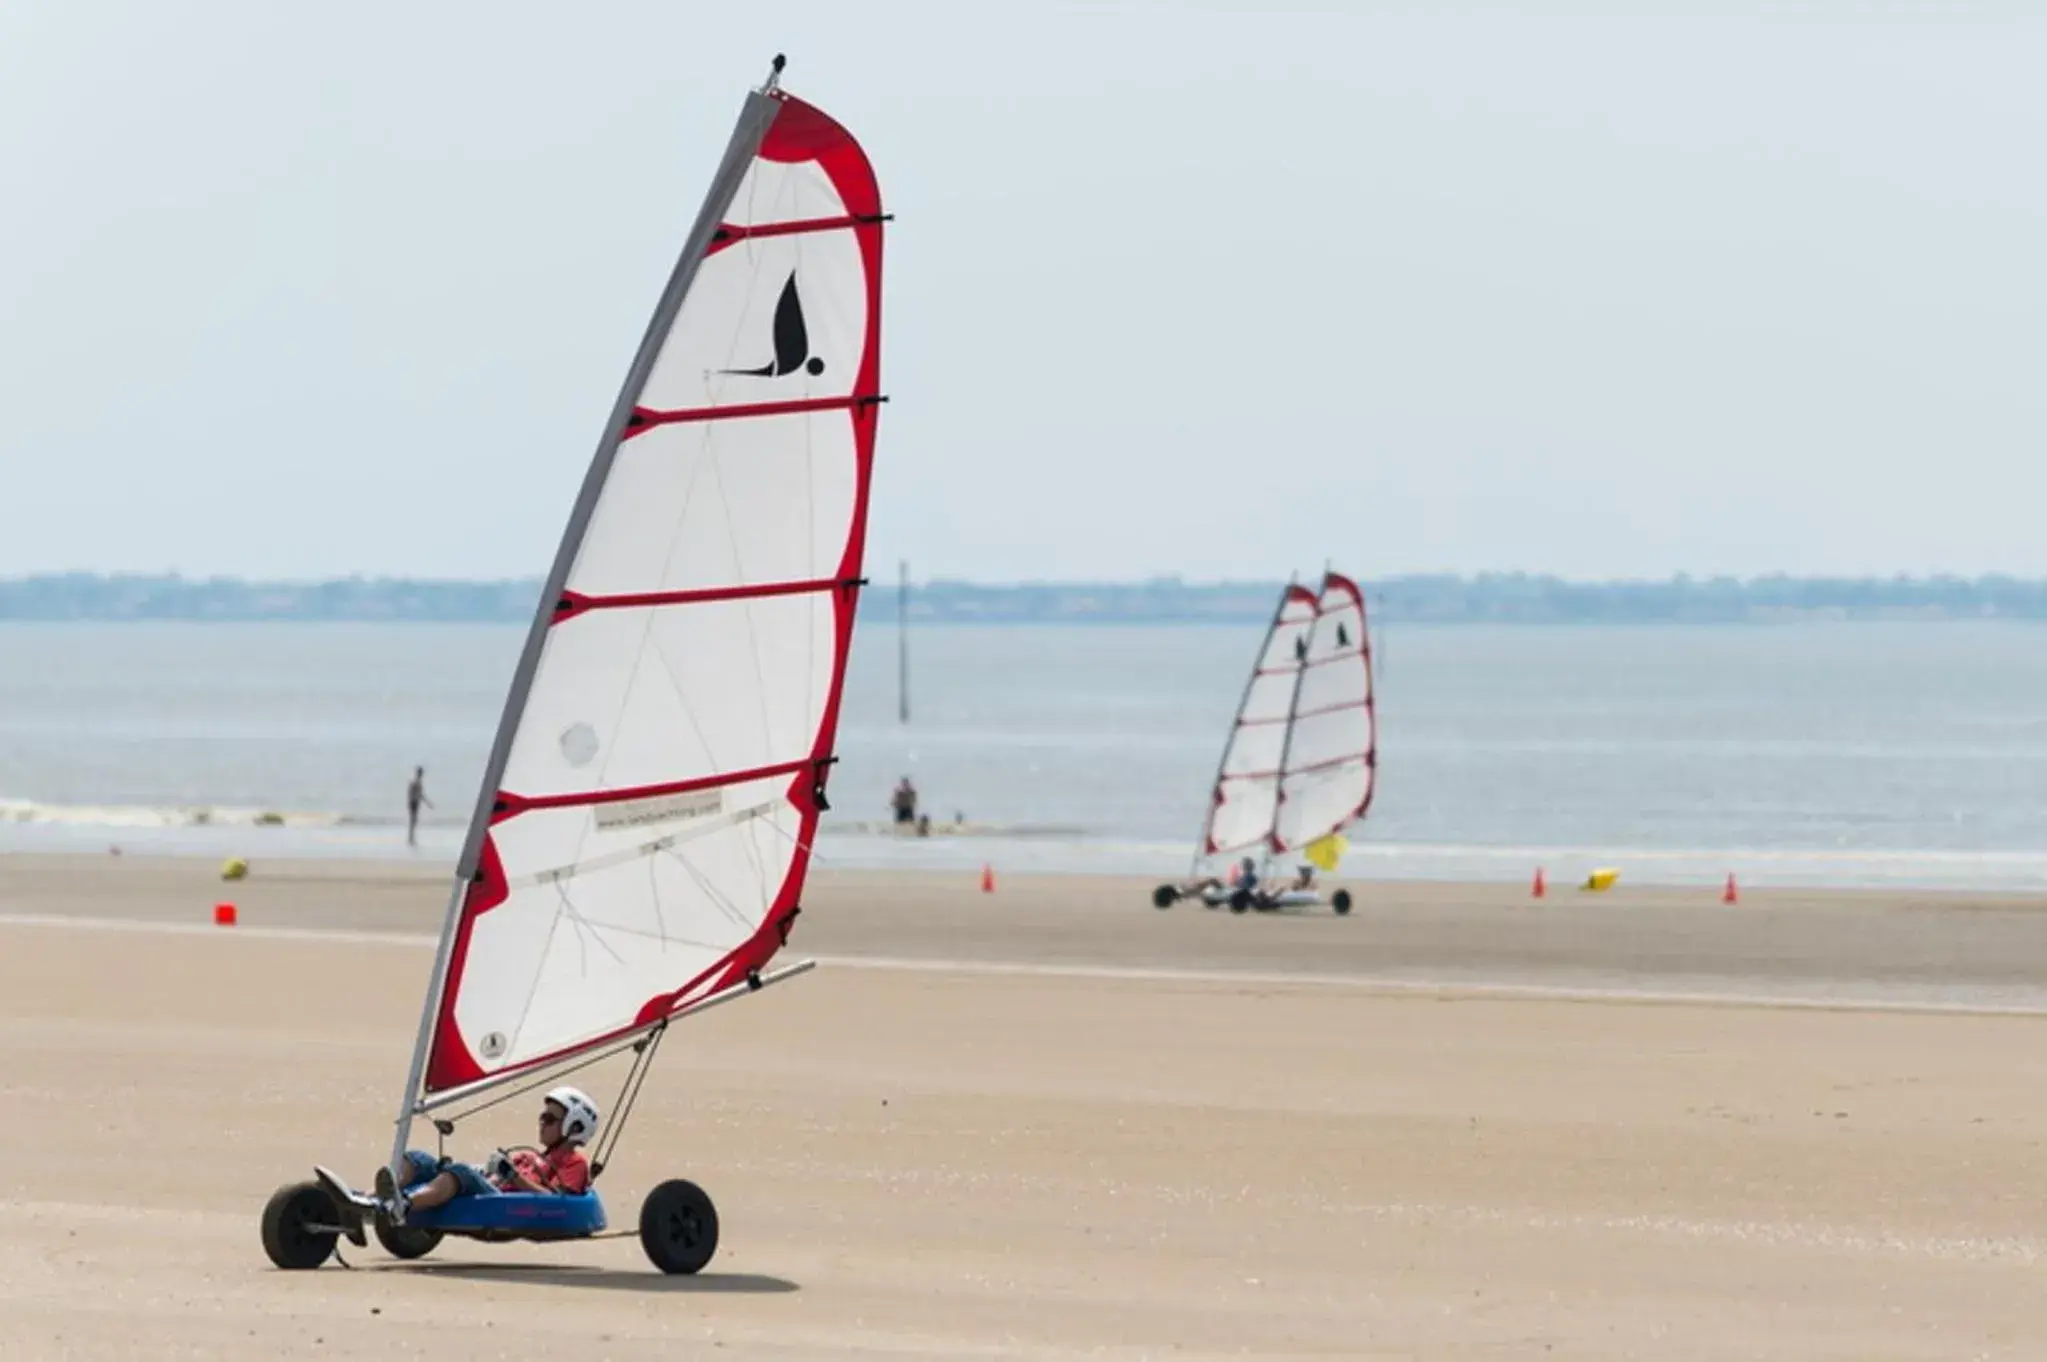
(548, 1118)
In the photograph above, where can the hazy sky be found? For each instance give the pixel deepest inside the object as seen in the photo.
(296, 290)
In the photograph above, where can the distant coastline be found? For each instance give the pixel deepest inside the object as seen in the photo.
(1503, 598)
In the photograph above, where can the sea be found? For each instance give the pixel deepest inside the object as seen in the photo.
(1808, 754)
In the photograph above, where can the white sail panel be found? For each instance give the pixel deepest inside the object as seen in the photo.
(624, 699)
(711, 504)
(1330, 757)
(1247, 782)
(634, 912)
(740, 317)
(659, 769)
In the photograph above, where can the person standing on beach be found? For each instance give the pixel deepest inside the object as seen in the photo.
(415, 795)
(904, 802)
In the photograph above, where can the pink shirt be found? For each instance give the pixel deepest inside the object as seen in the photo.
(564, 1169)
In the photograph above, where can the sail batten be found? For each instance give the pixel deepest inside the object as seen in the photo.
(575, 603)
(645, 419)
(661, 761)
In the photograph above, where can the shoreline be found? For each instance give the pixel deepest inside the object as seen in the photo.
(858, 847)
(1853, 948)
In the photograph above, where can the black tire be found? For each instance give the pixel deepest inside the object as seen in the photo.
(1240, 901)
(1163, 896)
(407, 1241)
(289, 1236)
(1340, 901)
(678, 1227)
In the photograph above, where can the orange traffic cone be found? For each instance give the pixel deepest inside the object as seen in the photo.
(987, 879)
(223, 915)
(1535, 890)
(1729, 895)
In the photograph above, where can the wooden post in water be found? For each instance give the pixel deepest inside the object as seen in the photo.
(903, 640)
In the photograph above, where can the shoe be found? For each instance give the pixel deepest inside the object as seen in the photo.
(347, 1204)
(390, 1201)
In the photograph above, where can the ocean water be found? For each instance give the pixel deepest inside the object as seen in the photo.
(1794, 754)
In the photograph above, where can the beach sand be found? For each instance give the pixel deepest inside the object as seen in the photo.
(1055, 1122)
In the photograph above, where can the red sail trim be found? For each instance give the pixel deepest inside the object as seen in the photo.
(644, 419)
(1337, 579)
(450, 1063)
(799, 132)
(730, 234)
(511, 805)
(803, 132)
(1371, 701)
(574, 603)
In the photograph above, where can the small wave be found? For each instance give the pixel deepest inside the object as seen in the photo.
(28, 811)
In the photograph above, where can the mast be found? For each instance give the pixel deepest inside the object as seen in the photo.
(756, 115)
(903, 640)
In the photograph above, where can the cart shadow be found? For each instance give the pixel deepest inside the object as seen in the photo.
(605, 1279)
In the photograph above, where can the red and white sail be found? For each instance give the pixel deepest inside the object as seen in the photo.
(1247, 782)
(1331, 758)
(1302, 754)
(659, 770)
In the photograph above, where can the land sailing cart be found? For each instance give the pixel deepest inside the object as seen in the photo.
(644, 824)
(1301, 760)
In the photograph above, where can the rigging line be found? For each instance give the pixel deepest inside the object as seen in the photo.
(700, 829)
(808, 848)
(582, 925)
(753, 643)
(621, 929)
(707, 461)
(579, 924)
(629, 1094)
(599, 1152)
(654, 897)
(540, 963)
(754, 248)
(731, 910)
(539, 966)
(545, 1074)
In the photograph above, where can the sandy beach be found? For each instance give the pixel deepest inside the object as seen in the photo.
(1052, 1122)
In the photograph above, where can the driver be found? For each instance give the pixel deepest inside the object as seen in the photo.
(568, 1118)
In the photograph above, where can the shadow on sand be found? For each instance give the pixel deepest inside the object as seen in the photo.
(604, 1279)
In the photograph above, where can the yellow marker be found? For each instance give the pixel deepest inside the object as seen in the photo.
(1326, 852)
(234, 868)
(1599, 881)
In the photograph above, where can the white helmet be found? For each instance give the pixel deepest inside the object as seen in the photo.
(579, 1114)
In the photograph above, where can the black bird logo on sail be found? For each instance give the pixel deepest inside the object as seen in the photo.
(792, 340)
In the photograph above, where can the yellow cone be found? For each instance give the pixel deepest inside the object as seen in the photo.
(234, 868)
